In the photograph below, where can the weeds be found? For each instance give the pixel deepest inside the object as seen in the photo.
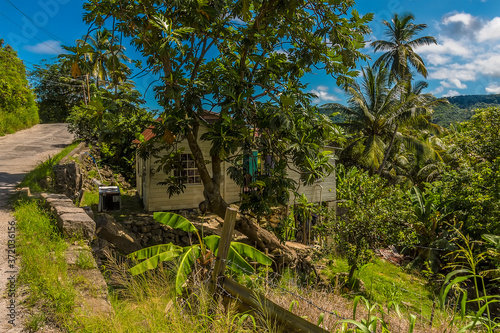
(49, 286)
(465, 266)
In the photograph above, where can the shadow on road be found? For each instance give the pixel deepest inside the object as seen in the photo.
(8, 183)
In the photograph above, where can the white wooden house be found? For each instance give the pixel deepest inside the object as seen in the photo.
(155, 197)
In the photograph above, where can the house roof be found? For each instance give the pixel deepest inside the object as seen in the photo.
(208, 116)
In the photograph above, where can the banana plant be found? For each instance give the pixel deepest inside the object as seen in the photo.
(204, 252)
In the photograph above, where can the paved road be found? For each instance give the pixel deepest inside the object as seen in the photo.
(20, 153)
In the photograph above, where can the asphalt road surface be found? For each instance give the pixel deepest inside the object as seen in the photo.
(20, 153)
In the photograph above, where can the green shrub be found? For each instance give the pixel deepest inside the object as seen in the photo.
(17, 102)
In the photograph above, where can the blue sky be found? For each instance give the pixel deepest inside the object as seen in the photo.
(465, 61)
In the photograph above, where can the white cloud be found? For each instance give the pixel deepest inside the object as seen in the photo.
(323, 95)
(437, 59)
(488, 64)
(490, 31)
(464, 18)
(47, 47)
(493, 88)
(453, 72)
(451, 93)
(446, 46)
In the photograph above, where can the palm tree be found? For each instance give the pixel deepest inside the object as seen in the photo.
(377, 111)
(100, 57)
(400, 55)
(369, 115)
(77, 62)
(414, 109)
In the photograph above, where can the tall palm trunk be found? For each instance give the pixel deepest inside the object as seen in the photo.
(388, 151)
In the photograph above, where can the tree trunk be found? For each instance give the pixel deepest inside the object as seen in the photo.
(386, 156)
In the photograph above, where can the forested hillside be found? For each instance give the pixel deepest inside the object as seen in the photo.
(18, 109)
(461, 108)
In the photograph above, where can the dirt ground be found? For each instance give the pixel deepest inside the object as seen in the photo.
(20, 153)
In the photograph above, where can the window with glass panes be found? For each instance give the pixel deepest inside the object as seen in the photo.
(189, 173)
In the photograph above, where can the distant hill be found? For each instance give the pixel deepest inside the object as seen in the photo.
(461, 108)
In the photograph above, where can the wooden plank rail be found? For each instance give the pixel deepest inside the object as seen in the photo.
(251, 300)
(258, 302)
(224, 244)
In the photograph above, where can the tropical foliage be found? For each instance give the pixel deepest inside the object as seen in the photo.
(401, 56)
(374, 215)
(57, 92)
(17, 101)
(200, 255)
(379, 116)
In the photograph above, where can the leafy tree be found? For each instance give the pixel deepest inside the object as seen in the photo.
(17, 102)
(473, 196)
(480, 136)
(376, 215)
(56, 91)
(432, 233)
(111, 121)
(473, 186)
(400, 55)
(245, 60)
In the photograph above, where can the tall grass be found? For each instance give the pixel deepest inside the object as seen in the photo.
(43, 266)
(148, 303)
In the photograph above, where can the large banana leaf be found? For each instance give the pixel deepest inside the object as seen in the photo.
(212, 243)
(172, 252)
(251, 252)
(175, 221)
(151, 251)
(185, 266)
(238, 253)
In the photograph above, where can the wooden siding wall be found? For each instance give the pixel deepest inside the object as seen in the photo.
(321, 191)
(156, 195)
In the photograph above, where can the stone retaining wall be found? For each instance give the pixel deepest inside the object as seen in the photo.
(76, 225)
(72, 221)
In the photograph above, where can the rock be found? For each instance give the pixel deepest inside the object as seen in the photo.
(157, 239)
(128, 222)
(156, 232)
(61, 200)
(76, 225)
(146, 229)
(63, 209)
(114, 233)
(140, 223)
(88, 210)
(68, 179)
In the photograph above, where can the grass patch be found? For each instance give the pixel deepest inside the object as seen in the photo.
(35, 179)
(148, 303)
(43, 265)
(385, 282)
(90, 198)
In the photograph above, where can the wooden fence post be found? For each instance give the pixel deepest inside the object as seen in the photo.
(224, 244)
